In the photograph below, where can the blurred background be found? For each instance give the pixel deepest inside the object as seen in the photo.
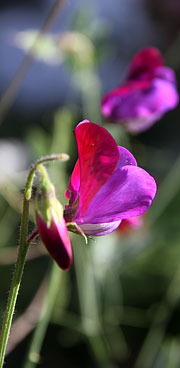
(119, 305)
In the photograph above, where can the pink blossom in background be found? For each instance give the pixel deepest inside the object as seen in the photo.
(106, 185)
(128, 225)
(147, 94)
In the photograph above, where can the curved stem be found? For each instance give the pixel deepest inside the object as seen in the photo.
(23, 248)
(55, 278)
(59, 156)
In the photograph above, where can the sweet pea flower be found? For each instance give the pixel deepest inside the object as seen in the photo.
(106, 185)
(148, 92)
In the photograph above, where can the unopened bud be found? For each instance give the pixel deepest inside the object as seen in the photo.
(50, 222)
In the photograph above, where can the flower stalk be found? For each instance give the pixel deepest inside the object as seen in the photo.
(23, 248)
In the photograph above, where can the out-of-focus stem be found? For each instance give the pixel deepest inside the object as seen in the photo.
(155, 336)
(40, 331)
(170, 185)
(88, 300)
(14, 85)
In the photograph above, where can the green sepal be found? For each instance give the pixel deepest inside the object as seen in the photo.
(46, 202)
(74, 228)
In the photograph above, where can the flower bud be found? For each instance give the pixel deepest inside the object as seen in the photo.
(50, 222)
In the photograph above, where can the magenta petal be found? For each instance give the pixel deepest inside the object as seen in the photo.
(142, 105)
(73, 187)
(145, 61)
(122, 102)
(56, 240)
(165, 73)
(98, 156)
(164, 95)
(128, 193)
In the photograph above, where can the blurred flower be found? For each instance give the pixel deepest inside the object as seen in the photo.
(148, 92)
(51, 224)
(57, 48)
(78, 48)
(133, 223)
(42, 46)
(106, 185)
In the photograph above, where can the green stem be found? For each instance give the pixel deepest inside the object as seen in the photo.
(161, 318)
(23, 248)
(170, 185)
(38, 336)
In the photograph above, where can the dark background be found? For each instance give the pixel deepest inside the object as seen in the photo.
(119, 305)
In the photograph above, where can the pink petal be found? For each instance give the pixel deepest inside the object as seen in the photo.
(56, 240)
(98, 156)
(133, 223)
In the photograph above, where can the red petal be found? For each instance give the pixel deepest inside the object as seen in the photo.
(57, 241)
(144, 61)
(98, 156)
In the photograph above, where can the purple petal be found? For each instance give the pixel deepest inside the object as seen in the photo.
(161, 96)
(139, 108)
(165, 73)
(128, 193)
(147, 94)
(99, 229)
(126, 158)
(122, 103)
